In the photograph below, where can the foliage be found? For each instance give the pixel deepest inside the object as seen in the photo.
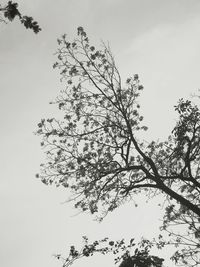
(10, 12)
(95, 151)
(140, 258)
(187, 132)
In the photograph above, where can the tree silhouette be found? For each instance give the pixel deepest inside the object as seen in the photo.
(11, 11)
(96, 152)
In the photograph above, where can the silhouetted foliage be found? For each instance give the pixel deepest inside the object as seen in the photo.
(122, 251)
(142, 259)
(96, 152)
(11, 11)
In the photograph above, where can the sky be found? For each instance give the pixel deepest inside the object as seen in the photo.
(159, 40)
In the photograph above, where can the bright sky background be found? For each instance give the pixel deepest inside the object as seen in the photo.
(159, 40)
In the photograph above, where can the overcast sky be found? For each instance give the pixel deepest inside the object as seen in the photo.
(157, 39)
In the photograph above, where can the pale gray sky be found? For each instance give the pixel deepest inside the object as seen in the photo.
(159, 40)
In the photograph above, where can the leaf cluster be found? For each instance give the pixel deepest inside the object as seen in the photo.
(11, 11)
(140, 256)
